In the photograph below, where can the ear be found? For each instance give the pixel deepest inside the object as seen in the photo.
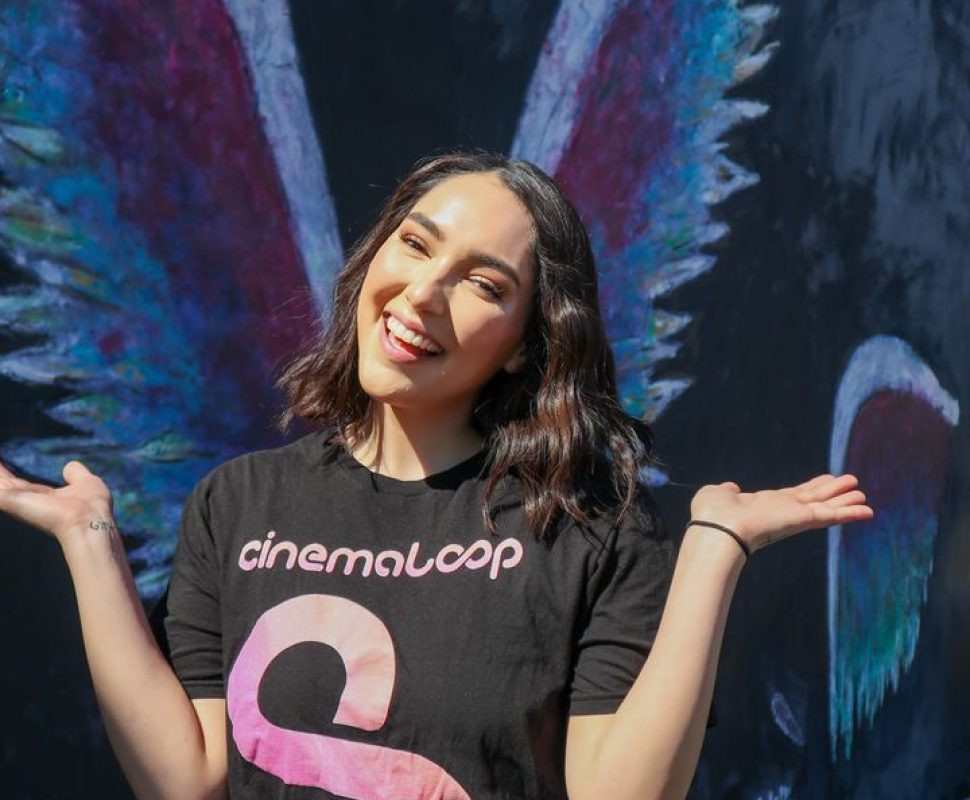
(516, 363)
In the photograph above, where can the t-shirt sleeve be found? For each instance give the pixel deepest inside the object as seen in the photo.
(192, 621)
(626, 596)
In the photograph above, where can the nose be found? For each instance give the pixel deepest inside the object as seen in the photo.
(425, 290)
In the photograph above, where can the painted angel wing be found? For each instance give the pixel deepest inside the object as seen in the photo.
(893, 428)
(159, 179)
(625, 108)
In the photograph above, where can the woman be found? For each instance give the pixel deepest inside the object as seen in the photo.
(464, 533)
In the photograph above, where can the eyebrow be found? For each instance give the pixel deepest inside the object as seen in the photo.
(483, 258)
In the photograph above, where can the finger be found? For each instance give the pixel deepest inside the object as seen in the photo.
(29, 486)
(29, 507)
(812, 483)
(74, 471)
(851, 498)
(805, 489)
(10, 481)
(847, 481)
(827, 487)
(859, 513)
(825, 514)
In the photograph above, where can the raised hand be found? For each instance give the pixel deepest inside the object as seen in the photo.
(764, 517)
(83, 504)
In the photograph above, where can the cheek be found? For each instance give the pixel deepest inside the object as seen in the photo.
(380, 281)
(367, 301)
(494, 335)
(363, 310)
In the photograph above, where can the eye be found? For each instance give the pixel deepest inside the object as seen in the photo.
(413, 242)
(487, 285)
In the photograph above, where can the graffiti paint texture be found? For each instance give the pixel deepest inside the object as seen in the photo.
(776, 194)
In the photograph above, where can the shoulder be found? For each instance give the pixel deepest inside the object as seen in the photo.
(613, 521)
(614, 539)
(636, 558)
(266, 467)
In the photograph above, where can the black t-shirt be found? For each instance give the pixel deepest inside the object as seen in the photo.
(373, 641)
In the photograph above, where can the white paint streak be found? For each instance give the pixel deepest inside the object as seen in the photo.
(266, 36)
(552, 102)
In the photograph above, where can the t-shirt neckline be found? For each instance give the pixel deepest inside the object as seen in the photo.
(447, 479)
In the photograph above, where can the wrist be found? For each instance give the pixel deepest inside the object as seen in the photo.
(98, 531)
(743, 545)
(715, 545)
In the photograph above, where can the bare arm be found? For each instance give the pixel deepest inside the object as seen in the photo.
(167, 746)
(153, 726)
(649, 748)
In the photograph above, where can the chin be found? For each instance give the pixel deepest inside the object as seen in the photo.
(385, 388)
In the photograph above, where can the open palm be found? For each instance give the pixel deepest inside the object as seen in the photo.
(56, 510)
(767, 516)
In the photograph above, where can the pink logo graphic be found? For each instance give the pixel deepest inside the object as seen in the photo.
(315, 557)
(352, 769)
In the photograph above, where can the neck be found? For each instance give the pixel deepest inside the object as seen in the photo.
(410, 444)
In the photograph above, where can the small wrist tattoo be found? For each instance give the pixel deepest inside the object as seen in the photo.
(101, 525)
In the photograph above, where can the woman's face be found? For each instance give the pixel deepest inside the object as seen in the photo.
(458, 272)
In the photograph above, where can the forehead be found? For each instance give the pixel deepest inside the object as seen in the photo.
(478, 211)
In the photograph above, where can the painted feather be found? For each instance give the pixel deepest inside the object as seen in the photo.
(893, 428)
(166, 267)
(625, 109)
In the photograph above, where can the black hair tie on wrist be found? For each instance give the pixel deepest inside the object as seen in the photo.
(738, 539)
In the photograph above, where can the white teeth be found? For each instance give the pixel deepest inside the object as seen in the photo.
(410, 336)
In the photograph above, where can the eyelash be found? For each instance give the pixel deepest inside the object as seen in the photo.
(487, 285)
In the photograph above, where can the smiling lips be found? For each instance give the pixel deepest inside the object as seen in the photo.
(404, 344)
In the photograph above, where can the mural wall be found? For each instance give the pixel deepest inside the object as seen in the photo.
(778, 198)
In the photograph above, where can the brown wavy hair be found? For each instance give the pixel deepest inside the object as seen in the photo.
(557, 426)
